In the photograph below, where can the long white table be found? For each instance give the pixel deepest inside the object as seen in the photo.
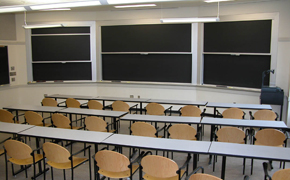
(13, 128)
(241, 106)
(65, 96)
(178, 102)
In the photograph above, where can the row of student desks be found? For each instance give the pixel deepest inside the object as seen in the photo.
(121, 140)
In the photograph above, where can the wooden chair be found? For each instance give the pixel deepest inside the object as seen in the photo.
(283, 174)
(231, 135)
(6, 116)
(182, 131)
(93, 104)
(190, 110)
(267, 115)
(49, 102)
(233, 113)
(34, 118)
(201, 176)
(73, 103)
(93, 123)
(21, 154)
(269, 137)
(145, 129)
(112, 164)
(60, 158)
(61, 121)
(123, 106)
(156, 109)
(159, 167)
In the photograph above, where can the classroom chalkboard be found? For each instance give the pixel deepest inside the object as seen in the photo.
(152, 67)
(147, 38)
(241, 71)
(238, 36)
(4, 66)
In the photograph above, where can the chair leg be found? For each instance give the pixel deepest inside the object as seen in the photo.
(51, 170)
(25, 171)
(72, 173)
(252, 166)
(244, 166)
(213, 165)
(64, 177)
(6, 166)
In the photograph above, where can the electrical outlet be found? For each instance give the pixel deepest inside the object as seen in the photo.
(131, 96)
(12, 73)
(12, 68)
(13, 79)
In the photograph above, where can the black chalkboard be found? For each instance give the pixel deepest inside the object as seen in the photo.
(62, 71)
(147, 38)
(242, 71)
(152, 67)
(4, 66)
(61, 30)
(238, 36)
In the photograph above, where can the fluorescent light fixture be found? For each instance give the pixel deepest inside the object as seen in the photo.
(7, 9)
(211, 1)
(64, 5)
(133, 1)
(189, 20)
(34, 26)
(136, 5)
(57, 9)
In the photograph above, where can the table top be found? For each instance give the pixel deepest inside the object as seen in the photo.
(66, 134)
(65, 96)
(13, 128)
(178, 102)
(241, 106)
(109, 98)
(250, 151)
(244, 123)
(24, 107)
(164, 119)
(201, 147)
(93, 112)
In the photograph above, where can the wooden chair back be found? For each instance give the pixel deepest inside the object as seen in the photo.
(112, 161)
(190, 110)
(283, 174)
(233, 113)
(6, 116)
(72, 103)
(158, 166)
(56, 153)
(120, 106)
(265, 115)
(231, 135)
(17, 150)
(270, 137)
(33, 118)
(94, 123)
(93, 104)
(182, 131)
(49, 102)
(143, 129)
(155, 109)
(60, 121)
(200, 176)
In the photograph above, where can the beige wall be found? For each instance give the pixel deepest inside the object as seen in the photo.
(7, 27)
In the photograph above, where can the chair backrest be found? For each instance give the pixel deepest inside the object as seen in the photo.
(283, 174)
(72, 103)
(233, 113)
(93, 104)
(231, 135)
(143, 129)
(33, 118)
(56, 153)
(6, 116)
(60, 121)
(112, 161)
(49, 102)
(120, 106)
(182, 131)
(155, 109)
(265, 115)
(158, 166)
(200, 176)
(94, 123)
(190, 110)
(270, 137)
(17, 150)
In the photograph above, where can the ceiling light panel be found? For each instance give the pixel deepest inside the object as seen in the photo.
(134, 1)
(11, 9)
(136, 5)
(211, 1)
(65, 5)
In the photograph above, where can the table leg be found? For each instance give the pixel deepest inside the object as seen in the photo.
(17, 117)
(194, 161)
(96, 169)
(214, 112)
(223, 174)
(70, 117)
(141, 107)
(211, 139)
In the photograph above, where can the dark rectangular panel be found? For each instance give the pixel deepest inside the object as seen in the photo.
(241, 71)
(61, 48)
(147, 38)
(4, 66)
(155, 68)
(62, 71)
(61, 30)
(239, 36)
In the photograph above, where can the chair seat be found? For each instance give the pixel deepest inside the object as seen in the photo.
(148, 177)
(27, 161)
(122, 174)
(67, 165)
(257, 143)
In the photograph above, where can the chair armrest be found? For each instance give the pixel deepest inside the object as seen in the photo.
(60, 103)
(251, 115)
(168, 109)
(185, 164)
(203, 112)
(195, 171)
(244, 114)
(33, 151)
(265, 168)
(277, 116)
(107, 107)
(218, 113)
(179, 111)
(88, 147)
(136, 105)
(142, 154)
(158, 130)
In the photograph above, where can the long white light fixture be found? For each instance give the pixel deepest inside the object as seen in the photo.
(134, 1)
(7, 9)
(35, 26)
(211, 1)
(136, 5)
(65, 5)
(189, 20)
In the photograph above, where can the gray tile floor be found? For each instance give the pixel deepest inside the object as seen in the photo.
(233, 171)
